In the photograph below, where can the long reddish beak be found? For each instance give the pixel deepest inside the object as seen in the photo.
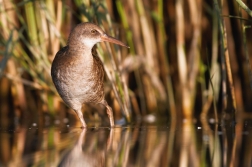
(107, 38)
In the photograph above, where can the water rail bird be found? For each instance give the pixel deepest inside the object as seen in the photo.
(77, 71)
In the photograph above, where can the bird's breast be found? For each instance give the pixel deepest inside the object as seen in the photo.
(80, 79)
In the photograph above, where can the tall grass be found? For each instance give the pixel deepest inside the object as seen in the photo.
(179, 64)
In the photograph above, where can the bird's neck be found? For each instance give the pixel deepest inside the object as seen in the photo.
(76, 47)
(83, 53)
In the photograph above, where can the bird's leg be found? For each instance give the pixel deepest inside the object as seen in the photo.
(109, 112)
(79, 113)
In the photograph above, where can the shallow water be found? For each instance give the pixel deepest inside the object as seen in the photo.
(189, 143)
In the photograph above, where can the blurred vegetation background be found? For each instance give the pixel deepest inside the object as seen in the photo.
(186, 59)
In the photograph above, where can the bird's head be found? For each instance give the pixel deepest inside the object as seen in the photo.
(88, 34)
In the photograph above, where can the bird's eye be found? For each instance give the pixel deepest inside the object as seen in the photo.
(93, 31)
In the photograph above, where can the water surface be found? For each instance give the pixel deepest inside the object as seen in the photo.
(185, 143)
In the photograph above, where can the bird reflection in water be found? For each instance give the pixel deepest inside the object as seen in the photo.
(88, 151)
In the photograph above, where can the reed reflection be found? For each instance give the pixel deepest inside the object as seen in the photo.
(138, 146)
(185, 143)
